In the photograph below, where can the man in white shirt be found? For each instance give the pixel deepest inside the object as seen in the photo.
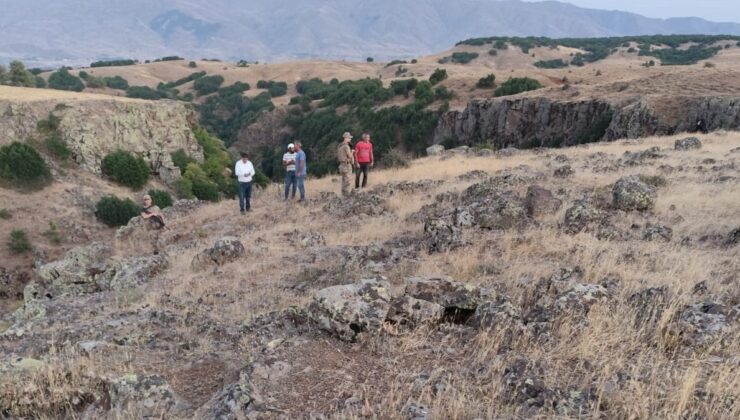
(244, 171)
(289, 164)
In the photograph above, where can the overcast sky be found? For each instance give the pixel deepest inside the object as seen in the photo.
(716, 10)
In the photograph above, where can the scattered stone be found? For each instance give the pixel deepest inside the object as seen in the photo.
(309, 239)
(225, 250)
(630, 193)
(356, 204)
(77, 272)
(350, 309)
(475, 174)
(580, 216)
(564, 172)
(441, 235)
(657, 232)
(412, 311)
(235, 401)
(494, 314)
(147, 396)
(733, 238)
(435, 150)
(580, 298)
(507, 151)
(638, 158)
(540, 202)
(700, 323)
(689, 143)
(649, 305)
(445, 292)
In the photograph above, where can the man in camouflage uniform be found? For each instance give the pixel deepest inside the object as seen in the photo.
(344, 156)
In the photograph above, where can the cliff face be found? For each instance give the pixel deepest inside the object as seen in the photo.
(94, 128)
(531, 122)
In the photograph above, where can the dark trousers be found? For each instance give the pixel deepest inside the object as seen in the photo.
(290, 180)
(245, 194)
(362, 169)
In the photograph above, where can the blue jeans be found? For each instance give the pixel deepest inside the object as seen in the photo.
(245, 194)
(299, 181)
(290, 180)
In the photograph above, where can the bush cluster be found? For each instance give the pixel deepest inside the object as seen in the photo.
(437, 76)
(114, 211)
(551, 64)
(22, 165)
(63, 80)
(517, 85)
(160, 198)
(274, 88)
(18, 242)
(487, 82)
(207, 84)
(112, 63)
(126, 169)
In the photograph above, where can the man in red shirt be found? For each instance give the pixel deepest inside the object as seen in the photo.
(363, 159)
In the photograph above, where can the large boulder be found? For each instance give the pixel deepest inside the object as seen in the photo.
(225, 250)
(580, 216)
(435, 150)
(442, 235)
(408, 310)
(78, 271)
(350, 309)
(134, 272)
(540, 201)
(630, 193)
(444, 292)
(234, 402)
(147, 396)
(689, 143)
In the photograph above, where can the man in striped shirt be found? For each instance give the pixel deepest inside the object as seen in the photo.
(290, 176)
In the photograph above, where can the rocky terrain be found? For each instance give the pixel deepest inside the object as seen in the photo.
(96, 125)
(595, 281)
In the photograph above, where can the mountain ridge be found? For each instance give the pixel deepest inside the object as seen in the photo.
(78, 32)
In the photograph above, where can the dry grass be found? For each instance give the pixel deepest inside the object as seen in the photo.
(632, 372)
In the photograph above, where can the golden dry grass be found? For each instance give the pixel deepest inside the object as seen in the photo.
(658, 379)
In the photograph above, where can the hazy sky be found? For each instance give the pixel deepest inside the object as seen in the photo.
(716, 10)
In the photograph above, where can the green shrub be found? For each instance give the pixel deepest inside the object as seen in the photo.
(94, 82)
(207, 84)
(463, 57)
(40, 82)
(160, 198)
(501, 45)
(487, 82)
(442, 93)
(57, 146)
(181, 159)
(493, 52)
(394, 62)
(19, 76)
(424, 95)
(551, 64)
(19, 243)
(63, 80)
(143, 92)
(414, 61)
(20, 163)
(274, 88)
(50, 124)
(52, 234)
(116, 82)
(437, 76)
(113, 63)
(114, 211)
(5, 214)
(656, 181)
(517, 85)
(631, 50)
(260, 180)
(201, 186)
(192, 64)
(403, 87)
(169, 58)
(126, 169)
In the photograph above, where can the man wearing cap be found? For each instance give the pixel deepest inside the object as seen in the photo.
(344, 156)
(289, 164)
(244, 171)
(301, 170)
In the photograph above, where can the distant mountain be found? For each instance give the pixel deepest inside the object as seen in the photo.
(81, 31)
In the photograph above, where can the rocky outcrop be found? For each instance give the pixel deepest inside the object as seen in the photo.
(93, 128)
(539, 121)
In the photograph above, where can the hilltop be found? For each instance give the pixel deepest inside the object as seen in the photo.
(74, 32)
